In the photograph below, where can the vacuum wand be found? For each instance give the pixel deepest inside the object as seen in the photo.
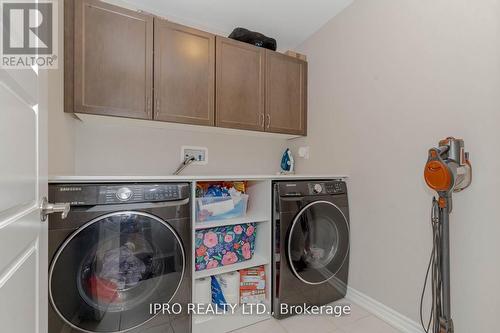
(445, 322)
(447, 170)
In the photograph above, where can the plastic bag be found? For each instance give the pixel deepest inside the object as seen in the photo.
(254, 38)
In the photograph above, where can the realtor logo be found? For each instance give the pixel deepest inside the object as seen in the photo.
(29, 33)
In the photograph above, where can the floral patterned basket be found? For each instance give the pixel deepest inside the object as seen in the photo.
(222, 246)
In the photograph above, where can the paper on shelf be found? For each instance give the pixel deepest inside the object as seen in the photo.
(219, 207)
(230, 286)
(202, 291)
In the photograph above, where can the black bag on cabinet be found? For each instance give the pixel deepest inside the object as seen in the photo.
(254, 38)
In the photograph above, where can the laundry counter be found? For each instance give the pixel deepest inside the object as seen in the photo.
(189, 178)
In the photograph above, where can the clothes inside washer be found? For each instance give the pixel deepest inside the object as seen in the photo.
(121, 266)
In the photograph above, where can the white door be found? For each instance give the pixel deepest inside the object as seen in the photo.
(23, 182)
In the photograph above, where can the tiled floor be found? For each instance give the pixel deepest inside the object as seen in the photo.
(359, 321)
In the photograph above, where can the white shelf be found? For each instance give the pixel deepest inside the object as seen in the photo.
(237, 220)
(257, 260)
(227, 322)
(259, 212)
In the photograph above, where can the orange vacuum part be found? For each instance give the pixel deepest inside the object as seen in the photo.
(437, 176)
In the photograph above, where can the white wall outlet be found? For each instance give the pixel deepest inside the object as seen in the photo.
(199, 153)
(304, 152)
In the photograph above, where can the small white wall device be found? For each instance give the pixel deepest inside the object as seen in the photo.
(200, 154)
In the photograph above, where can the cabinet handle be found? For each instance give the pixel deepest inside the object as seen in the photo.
(261, 120)
(268, 120)
(157, 107)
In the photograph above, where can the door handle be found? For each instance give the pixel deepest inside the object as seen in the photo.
(47, 208)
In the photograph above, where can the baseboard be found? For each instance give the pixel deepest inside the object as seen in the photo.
(390, 316)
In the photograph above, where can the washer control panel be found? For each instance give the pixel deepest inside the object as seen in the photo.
(106, 194)
(138, 193)
(162, 193)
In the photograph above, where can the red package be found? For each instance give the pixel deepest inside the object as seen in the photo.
(253, 285)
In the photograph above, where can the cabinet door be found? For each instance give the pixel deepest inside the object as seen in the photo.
(184, 74)
(286, 94)
(239, 85)
(113, 64)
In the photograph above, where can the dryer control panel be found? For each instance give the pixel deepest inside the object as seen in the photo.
(335, 187)
(320, 187)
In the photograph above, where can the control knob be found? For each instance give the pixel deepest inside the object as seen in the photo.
(317, 188)
(124, 194)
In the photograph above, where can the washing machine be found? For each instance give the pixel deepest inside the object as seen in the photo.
(122, 249)
(311, 244)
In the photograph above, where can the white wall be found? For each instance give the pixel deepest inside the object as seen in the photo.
(123, 147)
(112, 146)
(61, 139)
(387, 80)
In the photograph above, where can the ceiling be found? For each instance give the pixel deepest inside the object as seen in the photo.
(289, 21)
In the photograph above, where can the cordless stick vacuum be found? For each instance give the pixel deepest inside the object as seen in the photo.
(447, 170)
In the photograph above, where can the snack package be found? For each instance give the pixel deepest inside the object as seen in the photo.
(238, 186)
(219, 189)
(253, 285)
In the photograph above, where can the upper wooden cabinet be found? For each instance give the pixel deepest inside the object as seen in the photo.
(240, 80)
(113, 60)
(286, 94)
(184, 74)
(120, 62)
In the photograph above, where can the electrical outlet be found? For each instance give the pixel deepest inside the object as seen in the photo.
(200, 154)
(304, 152)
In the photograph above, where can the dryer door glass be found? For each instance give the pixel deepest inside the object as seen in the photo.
(318, 242)
(106, 274)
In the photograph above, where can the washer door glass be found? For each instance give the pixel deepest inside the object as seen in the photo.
(318, 242)
(106, 274)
